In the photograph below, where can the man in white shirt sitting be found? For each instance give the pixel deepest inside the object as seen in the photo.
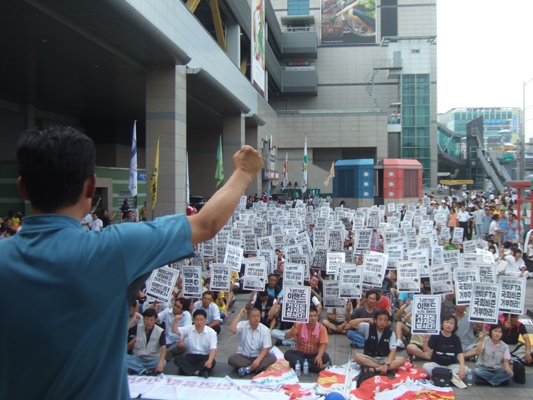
(211, 309)
(514, 265)
(255, 342)
(201, 346)
(166, 316)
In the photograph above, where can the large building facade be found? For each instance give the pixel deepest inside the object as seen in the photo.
(357, 78)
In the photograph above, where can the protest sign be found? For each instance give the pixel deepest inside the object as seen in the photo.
(441, 279)
(409, 216)
(331, 296)
(408, 276)
(436, 255)
(197, 259)
(426, 314)
(271, 259)
(208, 248)
(294, 249)
(293, 274)
(452, 257)
(250, 243)
(351, 281)
(266, 243)
(234, 242)
(359, 222)
(391, 207)
(320, 257)
(395, 252)
(485, 301)
(161, 283)
(469, 246)
(320, 237)
(336, 239)
(440, 219)
(487, 273)
(420, 255)
(512, 295)
(374, 265)
(254, 274)
(458, 235)
(192, 281)
(363, 239)
(332, 260)
(220, 277)
(296, 302)
(373, 219)
(233, 257)
(300, 259)
(471, 260)
(464, 283)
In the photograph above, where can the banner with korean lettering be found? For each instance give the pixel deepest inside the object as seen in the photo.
(512, 295)
(485, 301)
(296, 303)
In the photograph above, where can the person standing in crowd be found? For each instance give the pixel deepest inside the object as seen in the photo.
(57, 177)
(96, 223)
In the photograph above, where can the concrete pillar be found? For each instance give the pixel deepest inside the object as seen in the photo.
(166, 119)
(233, 43)
(233, 136)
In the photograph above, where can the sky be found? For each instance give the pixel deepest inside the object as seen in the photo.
(485, 54)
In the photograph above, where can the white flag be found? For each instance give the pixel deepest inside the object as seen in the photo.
(304, 169)
(285, 181)
(133, 162)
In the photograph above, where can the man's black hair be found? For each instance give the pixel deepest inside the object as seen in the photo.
(150, 312)
(199, 312)
(54, 164)
(185, 303)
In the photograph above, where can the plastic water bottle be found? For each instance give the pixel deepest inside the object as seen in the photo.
(298, 368)
(306, 367)
(469, 378)
(244, 371)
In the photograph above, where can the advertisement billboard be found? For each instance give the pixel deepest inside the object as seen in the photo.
(258, 45)
(348, 22)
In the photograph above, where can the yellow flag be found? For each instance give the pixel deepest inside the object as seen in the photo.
(155, 174)
(331, 174)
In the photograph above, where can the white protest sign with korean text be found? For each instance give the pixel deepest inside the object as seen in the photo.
(464, 284)
(332, 294)
(487, 273)
(485, 301)
(426, 314)
(420, 255)
(374, 265)
(293, 274)
(351, 281)
(296, 302)
(512, 295)
(192, 281)
(220, 277)
(233, 257)
(408, 276)
(332, 260)
(254, 274)
(469, 246)
(160, 284)
(363, 239)
(441, 279)
(458, 235)
(452, 257)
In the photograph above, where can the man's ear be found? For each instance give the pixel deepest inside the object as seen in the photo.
(90, 186)
(22, 189)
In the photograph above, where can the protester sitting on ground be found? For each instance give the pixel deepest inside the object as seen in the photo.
(415, 348)
(380, 345)
(512, 329)
(180, 307)
(255, 342)
(447, 349)
(383, 302)
(149, 346)
(513, 265)
(448, 304)
(272, 287)
(336, 320)
(466, 331)
(211, 310)
(403, 323)
(311, 343)
(201, 345)
(493, 366)
(364, 313)
(263, 302)
(316, 287)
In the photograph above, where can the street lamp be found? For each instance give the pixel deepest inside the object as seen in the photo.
(523, 135)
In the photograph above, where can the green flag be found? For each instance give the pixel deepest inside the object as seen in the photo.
(219, 174)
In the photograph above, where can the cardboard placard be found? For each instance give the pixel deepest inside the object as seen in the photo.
(441, 279)
(192, 281)
(160, 284)
(408, 276)
(426, 314)
(220, 277)
(512, 295)
(296, 303)
(485, 301)
(464, 284)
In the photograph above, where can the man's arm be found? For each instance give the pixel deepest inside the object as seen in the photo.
(247, 163)
(354, 323)
(161, 364)
(212, 354)
(321, 351)
(528, 348)
(233, 326)
(259, 358)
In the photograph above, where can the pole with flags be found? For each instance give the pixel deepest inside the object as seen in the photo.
(331, 174)
(219, 173)
(304, 169)
(187, 187)
(153, 179)
(285, 181)
(133, 165)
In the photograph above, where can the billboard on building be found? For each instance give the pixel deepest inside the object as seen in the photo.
(348, 22)
(257, 63)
